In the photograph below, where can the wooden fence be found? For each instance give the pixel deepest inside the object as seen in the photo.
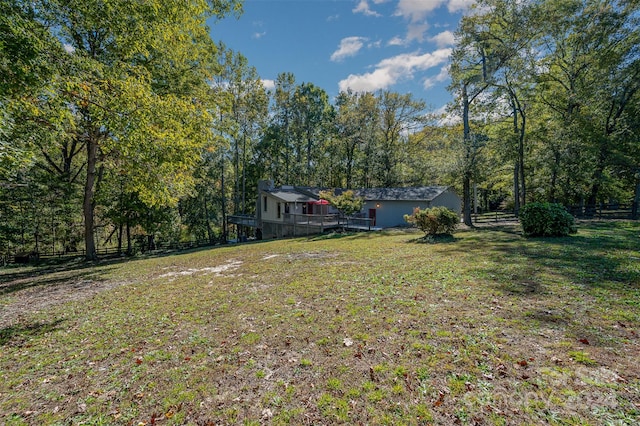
(494, 217)
(45, 256)
(605, 211)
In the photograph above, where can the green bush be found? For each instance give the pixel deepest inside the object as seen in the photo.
(434, 221)
(546, 220)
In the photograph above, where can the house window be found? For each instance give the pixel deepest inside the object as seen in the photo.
(286, 208)
(279, 209)
(264, 201)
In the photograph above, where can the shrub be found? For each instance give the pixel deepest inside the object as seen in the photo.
(546, 220)
(434, 221)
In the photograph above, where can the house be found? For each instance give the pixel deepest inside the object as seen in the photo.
(387, 206)
(292, 210)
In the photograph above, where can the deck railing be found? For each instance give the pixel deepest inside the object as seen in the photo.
(311, 219)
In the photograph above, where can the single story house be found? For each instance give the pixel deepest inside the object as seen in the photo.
(387, 206)
(292, 210)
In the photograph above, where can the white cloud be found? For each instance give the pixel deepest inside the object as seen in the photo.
(396, 41)
(349, 46)
(444, 39)
(268, 84)
(391, 70)
(69, 48)
(417, 10)
(459, 5)
(416, 31)
(258, 36)
(443, 75)
(363, 7)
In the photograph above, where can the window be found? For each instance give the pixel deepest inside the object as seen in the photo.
(279, 209)
(264, 201)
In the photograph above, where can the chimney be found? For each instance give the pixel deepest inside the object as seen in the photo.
(263, 185)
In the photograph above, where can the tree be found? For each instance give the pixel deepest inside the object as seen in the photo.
(591, 78)
(346, 202)
(134, 84)
(487, 43)
(400, 115)
(311, 117)
(247, 117)
(358, 132)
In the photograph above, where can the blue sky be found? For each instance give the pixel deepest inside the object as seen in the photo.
(366, 45)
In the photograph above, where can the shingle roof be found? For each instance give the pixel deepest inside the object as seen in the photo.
(291, 196)
(417, 193)
(422, 193)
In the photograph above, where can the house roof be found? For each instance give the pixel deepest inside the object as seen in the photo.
(306, 195)
(422, 193)
(290, 196)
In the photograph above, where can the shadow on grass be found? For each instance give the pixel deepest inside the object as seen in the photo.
(331, 236)
(19, 332)
(16, 278)
(599, 256)
(47, 276)
(349, 234)
(434, 239)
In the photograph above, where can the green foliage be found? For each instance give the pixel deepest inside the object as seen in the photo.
(434, 221)
(546, 220)
(347, 203)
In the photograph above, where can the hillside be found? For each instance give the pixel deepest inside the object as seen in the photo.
(371, 328)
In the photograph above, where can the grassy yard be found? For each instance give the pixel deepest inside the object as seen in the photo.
(372, 328)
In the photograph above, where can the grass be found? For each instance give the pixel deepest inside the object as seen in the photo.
(488, 328)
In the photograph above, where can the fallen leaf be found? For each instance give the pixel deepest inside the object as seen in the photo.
(138, 361)
(347, 342)
(584, 341)
(440, 400)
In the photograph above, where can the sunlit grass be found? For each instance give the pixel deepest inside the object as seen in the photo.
(368, 328)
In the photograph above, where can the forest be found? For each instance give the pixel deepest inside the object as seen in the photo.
(123, 122)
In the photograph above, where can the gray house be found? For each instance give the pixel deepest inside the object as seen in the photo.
(292, 210)
(387, 206)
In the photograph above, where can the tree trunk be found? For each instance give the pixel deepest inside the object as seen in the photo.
(636, 198)
(466, 183)
(224, 205)
(516, 169)
(120, 229)
(88, 204)
(129, 248)
(516, 189)
(466, 200)
(523, 183)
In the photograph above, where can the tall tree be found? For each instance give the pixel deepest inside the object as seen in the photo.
(133, 82)
(488, 42)
(311, 116)
(248, 102)
(400, 115)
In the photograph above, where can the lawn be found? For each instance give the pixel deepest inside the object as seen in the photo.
(370, 328)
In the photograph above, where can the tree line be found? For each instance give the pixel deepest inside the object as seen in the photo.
(124, 122)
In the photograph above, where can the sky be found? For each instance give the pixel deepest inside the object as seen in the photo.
(364, 45)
